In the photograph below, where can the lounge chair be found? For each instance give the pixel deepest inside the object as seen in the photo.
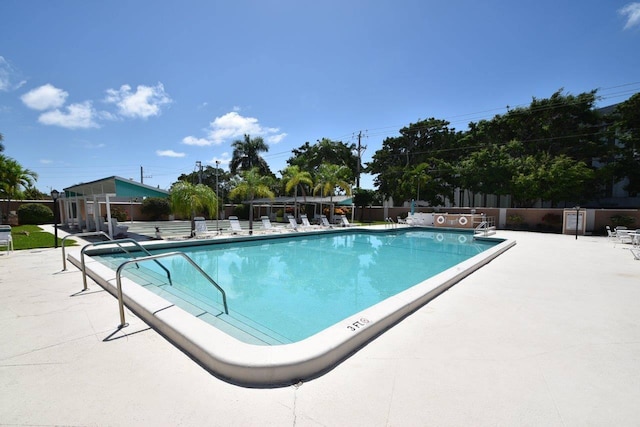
(5, 237)
(345, 222)
(268, 227)
(201, 231)
(305, 222)
(325, 222)
(636, 253)
(118, 230)
(234, 223)
(293, 223)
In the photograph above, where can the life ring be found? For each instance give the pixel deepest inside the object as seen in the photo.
(463, 220)
(439, 237)
(440, 220)
(462, 239)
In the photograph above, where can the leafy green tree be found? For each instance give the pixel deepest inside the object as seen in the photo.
(13, 177)
(250, 186)
(246, 155)
(364, 197)
(208, 178)
(295, 178)
(155, 207)
(187, 199)
(309, 157)
(627, 130)
(331, 177)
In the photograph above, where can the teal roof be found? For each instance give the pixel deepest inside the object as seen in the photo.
(121, 187)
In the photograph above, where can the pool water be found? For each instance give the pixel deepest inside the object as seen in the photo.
(286, 289)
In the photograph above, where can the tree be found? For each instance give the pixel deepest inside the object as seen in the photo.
(187, 199)
(293, 179)
(208, 177)
(246, 155)
(252, 185)
(13, 177)
(330, 177)
(309, 157)
(363, 197)
(627, 128)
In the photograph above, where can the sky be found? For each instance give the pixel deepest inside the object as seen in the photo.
(148, 88)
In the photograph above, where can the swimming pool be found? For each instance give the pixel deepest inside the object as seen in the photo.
(354, 284)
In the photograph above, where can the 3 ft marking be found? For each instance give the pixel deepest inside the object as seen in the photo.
(361, 323)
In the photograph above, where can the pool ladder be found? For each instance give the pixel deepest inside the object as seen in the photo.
(148, 257)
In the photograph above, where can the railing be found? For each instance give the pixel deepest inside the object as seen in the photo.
(155, 258)
(118, 243)
(390, 222)
(92, 233)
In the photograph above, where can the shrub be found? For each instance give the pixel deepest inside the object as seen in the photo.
(155, 207)
(119, 214)
(622, 220)
(34, 213)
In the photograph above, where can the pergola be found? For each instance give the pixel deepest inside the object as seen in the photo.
(81, 202)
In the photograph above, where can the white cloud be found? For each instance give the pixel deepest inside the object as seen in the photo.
(192, 140)
(274, 139)
(169, 153)
(45, 97)
(46, 161)
(143, 103)
(234, 126)
(76, 116)
(632, 13)
(224, 159)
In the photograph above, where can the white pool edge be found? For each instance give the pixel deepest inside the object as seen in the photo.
(269, 366)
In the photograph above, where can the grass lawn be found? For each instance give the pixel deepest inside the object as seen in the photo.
(32, 236)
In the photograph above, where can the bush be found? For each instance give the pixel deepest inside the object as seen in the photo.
(622, 220)
(34, 213)
(119, 214)
(155, 207)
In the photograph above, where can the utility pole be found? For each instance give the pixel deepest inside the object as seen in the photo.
(361, 149)
(142, 175)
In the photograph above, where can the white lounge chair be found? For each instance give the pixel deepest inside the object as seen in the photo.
(293, 223)
(305, 222)
(345, 222)
(118, 230)
(325, 222)
(268, 227)
(234, 223)
(636, 253)
(5, 237)
(201, 231)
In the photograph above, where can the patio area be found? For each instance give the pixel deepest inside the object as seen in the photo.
(547, 334)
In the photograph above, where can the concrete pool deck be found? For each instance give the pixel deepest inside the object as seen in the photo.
(547, 334)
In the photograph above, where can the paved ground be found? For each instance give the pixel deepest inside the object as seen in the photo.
(548, 334)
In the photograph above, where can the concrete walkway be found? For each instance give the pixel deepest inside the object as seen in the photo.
(548, 334)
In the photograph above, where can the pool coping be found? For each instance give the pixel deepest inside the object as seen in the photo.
(272, 366)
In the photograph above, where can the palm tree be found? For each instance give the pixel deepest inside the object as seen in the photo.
(252, 185)
(12, 177)
(330, 177)
(246, 155)
(294, 178)
(186, 199)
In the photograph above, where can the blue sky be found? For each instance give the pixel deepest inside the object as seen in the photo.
(94, 89)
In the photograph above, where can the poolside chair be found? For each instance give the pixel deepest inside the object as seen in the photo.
(345, 222)
(636, 253)
(5, 237)
(293, 223)
(235, 225)
(268, 227)
(118, 230)
(201, 231)
(305, 222)
(325, 222)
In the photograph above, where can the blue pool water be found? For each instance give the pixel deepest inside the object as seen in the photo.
(286, 289)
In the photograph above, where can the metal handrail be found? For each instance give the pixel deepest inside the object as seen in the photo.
(118, 243)
(154, 258)
(91, 233)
